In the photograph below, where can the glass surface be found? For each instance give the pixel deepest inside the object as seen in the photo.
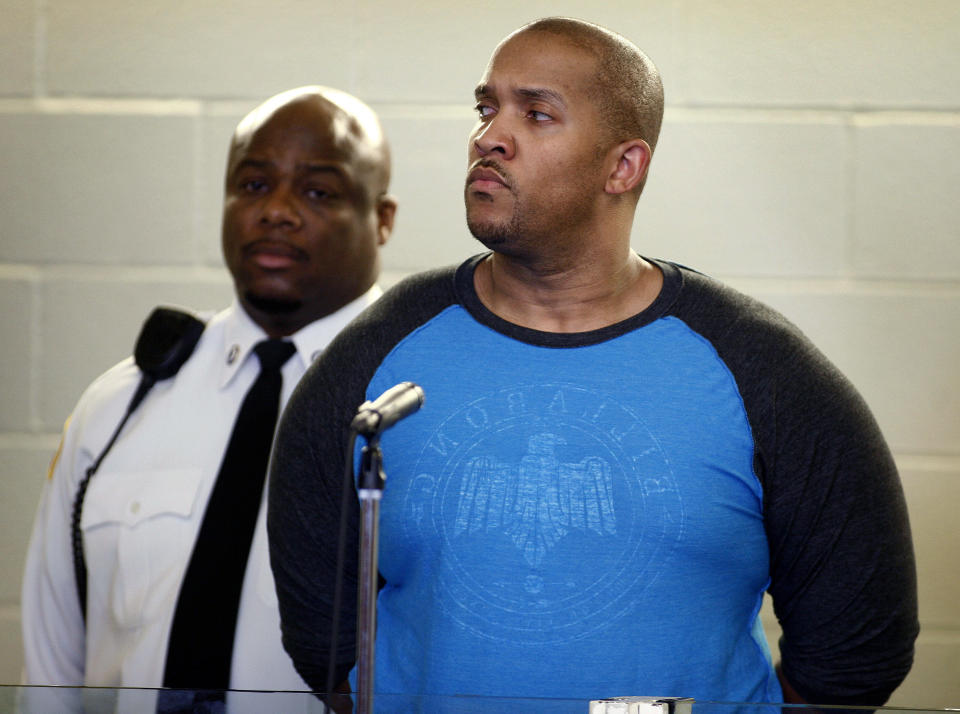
(95, 700)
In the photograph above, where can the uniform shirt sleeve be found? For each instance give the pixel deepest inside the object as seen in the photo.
(842, 570)
(53, 629)
(53, 636)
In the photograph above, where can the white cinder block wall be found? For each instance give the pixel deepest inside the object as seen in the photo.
(810, 156)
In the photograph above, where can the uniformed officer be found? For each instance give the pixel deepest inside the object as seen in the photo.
(306, 210)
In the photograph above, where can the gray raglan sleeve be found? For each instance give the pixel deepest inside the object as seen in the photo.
(307, 481)
(843, 578)
(303, 521)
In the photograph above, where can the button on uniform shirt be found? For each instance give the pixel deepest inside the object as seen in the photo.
(141, 516)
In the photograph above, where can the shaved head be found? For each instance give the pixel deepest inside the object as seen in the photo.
(627, 86)
(355, 127)
(306, 207)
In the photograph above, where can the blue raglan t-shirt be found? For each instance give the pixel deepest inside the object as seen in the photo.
(587, 515)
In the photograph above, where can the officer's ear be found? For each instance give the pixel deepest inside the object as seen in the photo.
(386, 212)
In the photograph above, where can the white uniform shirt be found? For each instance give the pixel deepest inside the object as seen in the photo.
(142, 513)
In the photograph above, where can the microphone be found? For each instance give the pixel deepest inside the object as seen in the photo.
(374, 418)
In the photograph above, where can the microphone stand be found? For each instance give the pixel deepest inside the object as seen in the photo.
(369, 492)
(371, 420)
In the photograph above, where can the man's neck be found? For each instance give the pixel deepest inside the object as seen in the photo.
(283, 323)
(579, 296)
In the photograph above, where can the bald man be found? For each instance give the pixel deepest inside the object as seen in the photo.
(595, 501)
(306, 211)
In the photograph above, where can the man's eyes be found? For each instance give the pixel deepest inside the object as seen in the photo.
(252, 185)
(319, 194)
(256, 186)
(485, 111)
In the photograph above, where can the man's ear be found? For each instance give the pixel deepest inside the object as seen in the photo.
(633, 161)
(386, 212)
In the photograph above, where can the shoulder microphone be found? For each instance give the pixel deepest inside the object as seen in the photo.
(166, 341)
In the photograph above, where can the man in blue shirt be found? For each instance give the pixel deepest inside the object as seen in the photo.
(617, 456)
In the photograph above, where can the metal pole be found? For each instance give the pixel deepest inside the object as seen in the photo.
(370, 492)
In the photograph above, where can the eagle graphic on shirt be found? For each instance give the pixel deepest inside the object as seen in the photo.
(538, 500)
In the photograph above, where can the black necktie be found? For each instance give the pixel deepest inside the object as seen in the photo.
(201, 637)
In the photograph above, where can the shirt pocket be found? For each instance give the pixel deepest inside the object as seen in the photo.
(138, 529)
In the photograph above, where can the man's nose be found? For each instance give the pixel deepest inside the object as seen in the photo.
(495, 137)
(280, 208)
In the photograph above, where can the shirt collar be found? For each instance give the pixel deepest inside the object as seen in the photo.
(241, 334)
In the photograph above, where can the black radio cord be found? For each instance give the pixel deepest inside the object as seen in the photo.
(76, 534)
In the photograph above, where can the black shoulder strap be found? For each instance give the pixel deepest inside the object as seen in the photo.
(166, 341)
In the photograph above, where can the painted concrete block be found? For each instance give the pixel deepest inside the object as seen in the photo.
(23, 471)
(933, 682)
(899, 348)
(202, 48)
(90, 323)
(932, 494)
(735, 194)
(97, 188)
(864, 53)
(430, 168)
(17, 42)
(445, 46)
(906, 216)
(11, 653)
(17, 320)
